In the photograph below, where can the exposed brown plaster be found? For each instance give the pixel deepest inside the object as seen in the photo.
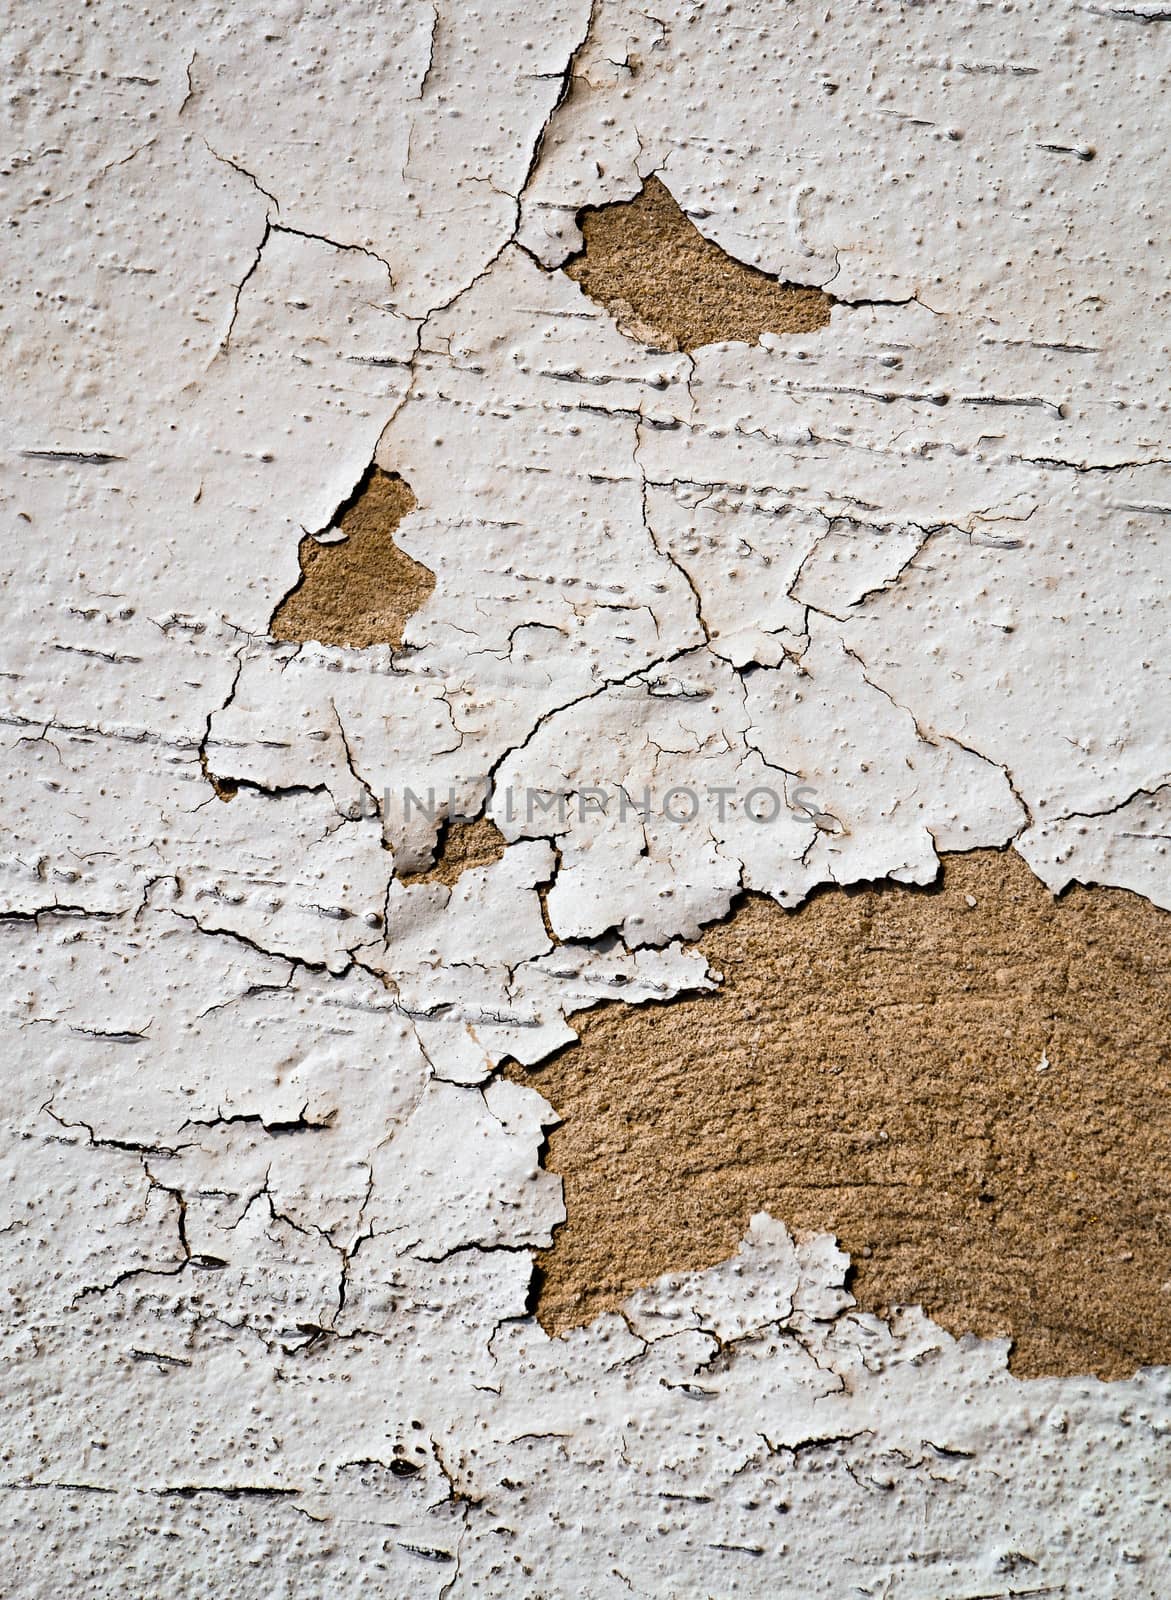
(669, 286)
(871, 1067)
(462, 845)
(225, 788)
(361, 590)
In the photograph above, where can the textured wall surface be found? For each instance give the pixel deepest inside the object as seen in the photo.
(488, 496)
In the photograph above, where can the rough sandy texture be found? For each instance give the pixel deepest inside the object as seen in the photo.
(462, 845)
(669, 286)
(361, 589)
(973, 1096)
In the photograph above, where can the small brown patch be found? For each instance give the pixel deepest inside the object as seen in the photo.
(462, 845)
(361, 590)
(669, 286)
(871, 1067)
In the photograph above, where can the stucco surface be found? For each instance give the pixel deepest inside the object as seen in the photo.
(271, 1202)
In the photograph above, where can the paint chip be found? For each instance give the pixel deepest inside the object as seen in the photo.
(358, 590)
(870, 1067)
(462, 846)
(668, 286)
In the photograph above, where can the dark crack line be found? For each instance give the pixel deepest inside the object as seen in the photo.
(376, 809)
(563, 92)
(242, 285)
(243, 172)
(1109, 811)
(932, 737)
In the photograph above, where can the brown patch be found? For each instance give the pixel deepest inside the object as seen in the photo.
(669, 286)
(462, 845)
(360, 591)
(870, 1067)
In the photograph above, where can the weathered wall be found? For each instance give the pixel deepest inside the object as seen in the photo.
(761, 403)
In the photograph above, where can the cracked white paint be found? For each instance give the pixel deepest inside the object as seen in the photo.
(269, 1215)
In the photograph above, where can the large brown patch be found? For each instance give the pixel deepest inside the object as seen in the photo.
(871, 1067)
(361, 590)
(668, 285)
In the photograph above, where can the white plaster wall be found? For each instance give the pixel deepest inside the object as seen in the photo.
(268, 1223)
